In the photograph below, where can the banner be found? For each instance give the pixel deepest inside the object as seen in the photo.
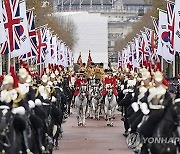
(2, 28)
(41, 44)
(177, 27)
(23, 34)
(164, 49)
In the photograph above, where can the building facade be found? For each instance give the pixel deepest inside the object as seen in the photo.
(121, 15)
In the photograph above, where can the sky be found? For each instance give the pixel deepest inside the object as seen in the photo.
(92, 34)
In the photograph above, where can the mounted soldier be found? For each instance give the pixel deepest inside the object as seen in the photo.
(154, 106)
(110, 80)
(81, 80)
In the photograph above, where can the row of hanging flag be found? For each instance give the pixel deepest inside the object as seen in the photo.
(20, 38)
(150, 45)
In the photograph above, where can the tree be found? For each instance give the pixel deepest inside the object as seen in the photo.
(44, 14)
(145, 21)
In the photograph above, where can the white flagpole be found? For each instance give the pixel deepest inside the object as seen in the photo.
(174, 66)
(0, 64)
(9, 61)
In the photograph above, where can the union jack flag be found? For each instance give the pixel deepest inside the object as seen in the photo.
(141, 47)
(155, 24)
(11, 19)
(32, 35)
(41, 44)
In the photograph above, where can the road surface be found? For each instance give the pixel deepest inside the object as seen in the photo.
(95, 138)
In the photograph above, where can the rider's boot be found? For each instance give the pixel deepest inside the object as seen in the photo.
(39, 136)
(25, 137)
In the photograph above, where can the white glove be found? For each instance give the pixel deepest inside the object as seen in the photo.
(19, 110)
(53, 99)
(135, 106)
(31, 104)
(38, 102)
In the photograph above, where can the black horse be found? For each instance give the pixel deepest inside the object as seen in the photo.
(10, 139)
(166, 131)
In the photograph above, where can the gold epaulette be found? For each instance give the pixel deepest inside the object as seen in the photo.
(18, 99)
(37, 91)
(53, 90)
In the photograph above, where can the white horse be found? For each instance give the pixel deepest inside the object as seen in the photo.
(96, 99)
(110, 105)
(80, 103)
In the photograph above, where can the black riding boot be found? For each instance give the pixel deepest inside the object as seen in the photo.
(39, 137)
(25, 137)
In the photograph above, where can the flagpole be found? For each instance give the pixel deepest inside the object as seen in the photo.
(0, 64)
(40, 69)
(9, 61)
(174, 66)
(162, 67)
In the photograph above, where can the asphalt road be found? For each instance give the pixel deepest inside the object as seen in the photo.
(95, 138)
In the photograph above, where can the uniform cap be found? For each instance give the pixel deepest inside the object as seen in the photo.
(158, 76)
(23, 73)
(145, 75)
(44, 78)
(8, 79)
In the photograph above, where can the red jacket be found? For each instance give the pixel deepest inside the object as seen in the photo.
(110, 80)
(80, 81)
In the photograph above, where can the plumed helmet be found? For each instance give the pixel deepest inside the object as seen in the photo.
(8, 79)
(158, 76)
(44, 78)
(22, 73)
(145, 74)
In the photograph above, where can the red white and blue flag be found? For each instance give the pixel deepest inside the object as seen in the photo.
(11, 19)
(155, 24)
(32, 35)
(41, 44)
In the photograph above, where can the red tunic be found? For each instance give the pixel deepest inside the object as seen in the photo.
(79, 82)
(112, 82)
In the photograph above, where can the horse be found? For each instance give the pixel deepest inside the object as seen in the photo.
(81, 103)
(96, 100)
(69, 96)
(165, 134)
(10, 139)
(167, 128)
(110, 105)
